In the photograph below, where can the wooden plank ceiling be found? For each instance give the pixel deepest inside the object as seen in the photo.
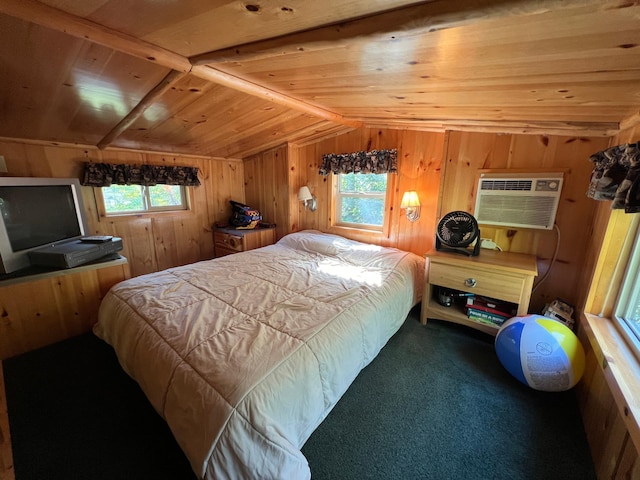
(231, 78)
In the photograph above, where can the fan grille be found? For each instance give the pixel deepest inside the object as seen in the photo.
(457, 229)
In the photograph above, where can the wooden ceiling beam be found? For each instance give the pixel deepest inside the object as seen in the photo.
(49, 17)
(149, 99)
(586, 129)
(424, 18)
(630, 122)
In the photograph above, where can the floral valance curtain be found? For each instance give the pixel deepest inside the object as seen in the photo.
(106, 174)
(375, 161)
(616, 176)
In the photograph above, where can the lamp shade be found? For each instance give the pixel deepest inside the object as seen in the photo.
(304, 194)
(410, 199)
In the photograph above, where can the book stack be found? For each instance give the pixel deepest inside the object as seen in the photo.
(488, 310)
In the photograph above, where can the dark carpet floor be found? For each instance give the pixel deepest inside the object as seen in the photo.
(435, 404)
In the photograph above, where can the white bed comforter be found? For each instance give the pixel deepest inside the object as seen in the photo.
(245, 355)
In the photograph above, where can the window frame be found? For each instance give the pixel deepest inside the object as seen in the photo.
(187, 197)
(629, 295)
(337, 225)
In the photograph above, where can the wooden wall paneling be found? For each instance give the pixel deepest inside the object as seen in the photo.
(278, 206)
(25, 326)
(420, 162)
(309, 161)
(184, 237)
(466, 153)
(137, 241)
(252, 178)
(294, 181)
(66, 305)
(267, 177)
(469, 152)
(176, 240)
(629, 465)
(108, 277)
(597, 410)
(226, 183)
(613, 452)
(613, 448)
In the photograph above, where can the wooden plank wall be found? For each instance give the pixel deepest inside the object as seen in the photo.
(151, 242)
(266, 178)
(469, 152)
(419, 168)
(612, 448)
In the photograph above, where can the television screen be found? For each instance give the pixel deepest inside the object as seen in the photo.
(38, 215)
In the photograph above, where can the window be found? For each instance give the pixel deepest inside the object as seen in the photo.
(627, 311)
(123, 199)
(360, 200)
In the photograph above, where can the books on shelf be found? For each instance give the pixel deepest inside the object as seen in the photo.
(487, 310)
(486, 317)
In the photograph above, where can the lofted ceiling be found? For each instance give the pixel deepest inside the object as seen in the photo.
(230, 78)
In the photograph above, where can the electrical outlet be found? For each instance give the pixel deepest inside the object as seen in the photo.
(3, 165)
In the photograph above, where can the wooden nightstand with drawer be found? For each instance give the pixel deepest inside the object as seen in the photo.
(503, 276)
(228, 240)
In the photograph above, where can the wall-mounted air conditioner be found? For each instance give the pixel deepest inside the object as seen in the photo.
(513, 200)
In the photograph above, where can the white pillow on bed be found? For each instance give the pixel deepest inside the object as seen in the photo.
(315, 241)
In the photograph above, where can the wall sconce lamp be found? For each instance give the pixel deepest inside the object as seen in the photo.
(411, 204)
(309, 200)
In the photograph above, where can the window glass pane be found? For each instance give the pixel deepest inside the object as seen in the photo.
(628, 307)
(632, 314)
(368, 211)
(165, 195)
(123, 198)
(363, 183)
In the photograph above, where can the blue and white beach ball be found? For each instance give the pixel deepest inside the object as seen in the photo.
(540, 352)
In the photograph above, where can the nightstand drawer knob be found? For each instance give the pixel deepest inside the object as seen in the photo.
(470, 282)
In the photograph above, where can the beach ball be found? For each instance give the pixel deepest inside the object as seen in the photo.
(540, 352)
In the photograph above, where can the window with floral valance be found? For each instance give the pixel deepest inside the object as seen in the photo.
(375, 161)
(107, 174)
(616, 176)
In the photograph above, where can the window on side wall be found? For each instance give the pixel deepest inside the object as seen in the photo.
(627, 311)
(133, 199)
(360, 200)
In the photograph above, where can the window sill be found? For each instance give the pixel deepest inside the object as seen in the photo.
(621, 369)
(346, 230)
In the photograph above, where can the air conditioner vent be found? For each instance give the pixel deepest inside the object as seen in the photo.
(517, 200)
(506, 185)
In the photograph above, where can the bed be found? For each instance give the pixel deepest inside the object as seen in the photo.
(245, 355)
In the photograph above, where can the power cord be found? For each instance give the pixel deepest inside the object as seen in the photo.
(553, 259)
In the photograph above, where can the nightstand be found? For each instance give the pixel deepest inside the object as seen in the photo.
(502, 276)
(229, 240)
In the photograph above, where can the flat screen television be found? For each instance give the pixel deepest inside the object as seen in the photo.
(37, 212)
